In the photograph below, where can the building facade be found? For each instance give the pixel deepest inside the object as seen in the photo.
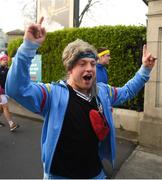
(58, 14)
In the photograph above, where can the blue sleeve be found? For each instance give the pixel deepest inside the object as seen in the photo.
(18, 83)
(131, 88)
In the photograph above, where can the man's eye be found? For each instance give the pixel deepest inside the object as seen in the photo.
(93, 63)
(81, 64)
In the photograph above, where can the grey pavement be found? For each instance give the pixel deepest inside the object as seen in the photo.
(141, 165)
(20, 150)
(20, 156)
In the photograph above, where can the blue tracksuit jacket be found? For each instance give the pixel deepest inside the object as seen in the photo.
(51, 100)
(101, 74)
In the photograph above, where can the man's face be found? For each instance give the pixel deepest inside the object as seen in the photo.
(105, 59)
(4, 62)
(83, 74)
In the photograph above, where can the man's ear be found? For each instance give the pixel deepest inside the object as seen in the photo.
(69, 72)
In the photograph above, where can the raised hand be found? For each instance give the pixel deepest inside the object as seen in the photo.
(147, 59)
(35, 32)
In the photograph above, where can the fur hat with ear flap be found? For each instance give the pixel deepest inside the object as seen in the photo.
(76, 50)
(3, 56)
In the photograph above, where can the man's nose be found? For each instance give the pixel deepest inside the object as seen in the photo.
(89, 66)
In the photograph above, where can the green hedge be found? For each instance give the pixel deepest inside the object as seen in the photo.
(124, 42)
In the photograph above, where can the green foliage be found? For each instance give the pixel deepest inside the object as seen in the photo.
(125, 44)
(13, 46)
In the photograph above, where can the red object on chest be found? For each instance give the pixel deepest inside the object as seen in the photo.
(99, 124)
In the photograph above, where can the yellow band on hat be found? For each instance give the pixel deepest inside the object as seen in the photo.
(103, 53)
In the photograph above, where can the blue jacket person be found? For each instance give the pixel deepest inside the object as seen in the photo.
(78, 131)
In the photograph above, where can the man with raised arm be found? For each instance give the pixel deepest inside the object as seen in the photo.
(78, 131)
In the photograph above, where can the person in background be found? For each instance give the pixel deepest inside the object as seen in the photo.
(3, 97)
(78, 130)
(101, 67)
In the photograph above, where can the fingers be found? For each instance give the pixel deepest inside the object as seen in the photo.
(144, 50)
(148, 60)
(40, 34)
(148, 56)
(43, 32)
(35, 32)
(152, 59)
(41, 20)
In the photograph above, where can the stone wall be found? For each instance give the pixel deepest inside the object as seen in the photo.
(150, 132)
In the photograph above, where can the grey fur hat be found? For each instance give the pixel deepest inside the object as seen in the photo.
(73, 51)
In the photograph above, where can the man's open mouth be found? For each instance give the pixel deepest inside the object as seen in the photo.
(87, 77)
